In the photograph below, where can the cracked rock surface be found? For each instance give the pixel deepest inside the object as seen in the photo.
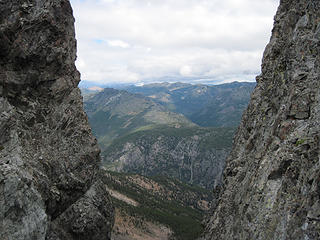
(272, 178)
(49, 160)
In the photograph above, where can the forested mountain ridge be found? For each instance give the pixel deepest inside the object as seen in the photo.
(113, 113)
(138, 135)
(206, 105)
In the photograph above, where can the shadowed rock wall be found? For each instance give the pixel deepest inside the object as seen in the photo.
(272, 178)
(48, 157)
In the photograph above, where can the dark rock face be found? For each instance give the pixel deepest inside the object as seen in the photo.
(48, 157)
(271, 188)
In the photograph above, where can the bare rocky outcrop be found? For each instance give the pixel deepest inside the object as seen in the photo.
(49, 160)
(192, 155)
(271, 186)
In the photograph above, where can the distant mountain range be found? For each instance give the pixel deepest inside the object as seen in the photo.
(113, 113)
(205, 105)
(154, 129)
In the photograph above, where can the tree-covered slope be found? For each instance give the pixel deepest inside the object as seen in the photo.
(113, 113)
(147, 205)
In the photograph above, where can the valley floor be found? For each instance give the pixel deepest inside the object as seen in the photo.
(155, 208)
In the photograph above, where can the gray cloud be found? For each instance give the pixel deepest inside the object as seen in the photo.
(145, 40)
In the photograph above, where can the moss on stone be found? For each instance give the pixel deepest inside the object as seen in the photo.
(300, 142)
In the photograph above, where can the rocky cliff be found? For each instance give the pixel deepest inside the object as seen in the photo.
(48, 157)
(193, 155)
(271, 187)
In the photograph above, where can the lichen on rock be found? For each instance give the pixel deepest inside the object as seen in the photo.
(49, 160)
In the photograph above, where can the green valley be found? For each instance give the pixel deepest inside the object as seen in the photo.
(160, 157)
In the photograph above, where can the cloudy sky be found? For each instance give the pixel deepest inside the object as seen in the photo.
(139, 41)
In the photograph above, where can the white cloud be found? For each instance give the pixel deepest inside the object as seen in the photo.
(118, 43)
(141, 40)
(186, 71)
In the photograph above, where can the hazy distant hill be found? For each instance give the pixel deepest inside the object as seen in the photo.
(90, 91)
(218, 105)
(113, 113)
